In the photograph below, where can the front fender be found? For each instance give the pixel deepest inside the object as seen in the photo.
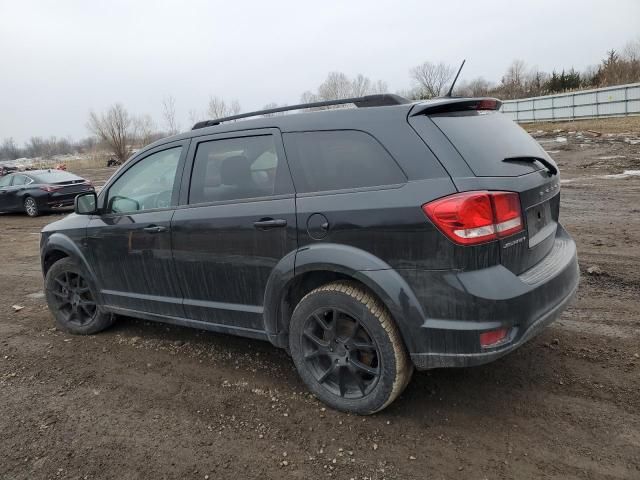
(62, 243)
(358, 264)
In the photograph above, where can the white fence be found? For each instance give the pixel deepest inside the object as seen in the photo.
(601, 102)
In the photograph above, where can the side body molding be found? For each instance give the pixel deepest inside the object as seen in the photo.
(358, 264)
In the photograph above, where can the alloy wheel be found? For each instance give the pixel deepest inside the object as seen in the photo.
(73, 298)
(30, 206)
(340, 353)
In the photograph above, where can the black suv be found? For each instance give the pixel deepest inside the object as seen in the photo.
(365, 241)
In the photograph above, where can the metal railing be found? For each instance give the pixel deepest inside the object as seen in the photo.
(615, 101)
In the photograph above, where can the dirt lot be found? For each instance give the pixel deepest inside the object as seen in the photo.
(144, 400)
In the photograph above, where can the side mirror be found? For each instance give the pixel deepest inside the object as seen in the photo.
(86, 203)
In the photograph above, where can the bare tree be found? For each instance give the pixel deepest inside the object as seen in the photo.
(114, 128)
(335, 87)
(9, 150)
(169, 115)
(144, 129)
(431, 79)
(35, 147)
(513, 82)
(360, 86)
(218, 108)
(631, 50)
(378, 87)
(338, 86)
(271, 105)
(478, 87)
(308, 97)
(196, 116)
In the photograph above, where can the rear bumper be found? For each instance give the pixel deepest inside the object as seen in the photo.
(459, 306)
(425, 361)
(62, 200)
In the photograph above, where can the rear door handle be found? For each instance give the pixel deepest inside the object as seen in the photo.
(155, 229)
(269, 223)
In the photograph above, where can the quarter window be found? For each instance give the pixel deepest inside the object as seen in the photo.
(236, 168)
(336, 160)
(146, 185)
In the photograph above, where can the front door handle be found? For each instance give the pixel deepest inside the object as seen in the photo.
(269, 223)
(155, 229)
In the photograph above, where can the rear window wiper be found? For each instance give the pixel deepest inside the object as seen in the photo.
(553, 170)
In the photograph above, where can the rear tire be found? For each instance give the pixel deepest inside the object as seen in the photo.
(347, 349)
(31, 207)
(72, 300)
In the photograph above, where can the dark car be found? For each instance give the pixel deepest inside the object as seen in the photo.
(37, 191)
(364, 241)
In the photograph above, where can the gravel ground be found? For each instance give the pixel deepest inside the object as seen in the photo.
(144, 400)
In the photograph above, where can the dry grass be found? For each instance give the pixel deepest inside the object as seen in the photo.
(94, 159)
(629, 124)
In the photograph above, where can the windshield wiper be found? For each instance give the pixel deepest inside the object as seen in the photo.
(553, 170)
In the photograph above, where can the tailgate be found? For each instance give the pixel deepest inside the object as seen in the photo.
(540, 211)
(485, 150)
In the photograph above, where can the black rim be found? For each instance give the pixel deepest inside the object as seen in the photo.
(73, 298)
(340, 353)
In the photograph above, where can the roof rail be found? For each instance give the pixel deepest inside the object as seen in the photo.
(381, 100)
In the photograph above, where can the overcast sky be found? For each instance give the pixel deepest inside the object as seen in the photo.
(60, 59)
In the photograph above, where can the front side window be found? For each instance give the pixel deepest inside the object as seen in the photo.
(235, 168)
(146, 185)
(340, 159)
(5, 181)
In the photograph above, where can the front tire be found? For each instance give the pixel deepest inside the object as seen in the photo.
(347, 349)
(31, 207)
(72, 300)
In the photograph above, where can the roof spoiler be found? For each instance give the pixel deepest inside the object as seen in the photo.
(381, 100)
(446, 105)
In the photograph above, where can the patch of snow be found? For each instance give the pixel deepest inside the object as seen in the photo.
(625, 174)
(561, 139)
(611, 157)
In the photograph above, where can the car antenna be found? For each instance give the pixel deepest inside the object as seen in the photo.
(455, 79)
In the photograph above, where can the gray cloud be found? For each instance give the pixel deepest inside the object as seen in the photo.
(61, 59)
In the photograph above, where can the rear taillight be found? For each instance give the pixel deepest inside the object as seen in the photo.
(50, 188)
(471, 218)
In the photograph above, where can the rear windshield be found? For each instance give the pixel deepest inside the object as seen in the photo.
(485, 139)
(55, 176)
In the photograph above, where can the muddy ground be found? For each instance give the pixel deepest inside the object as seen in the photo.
(145, 400)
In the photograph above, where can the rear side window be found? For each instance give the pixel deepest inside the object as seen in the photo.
(21, 180)
(237, 168)
(340, 159)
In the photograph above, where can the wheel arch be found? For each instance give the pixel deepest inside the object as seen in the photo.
(58, 246)
(300, 272)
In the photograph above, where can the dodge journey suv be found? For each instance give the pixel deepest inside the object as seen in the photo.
(365, 241)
